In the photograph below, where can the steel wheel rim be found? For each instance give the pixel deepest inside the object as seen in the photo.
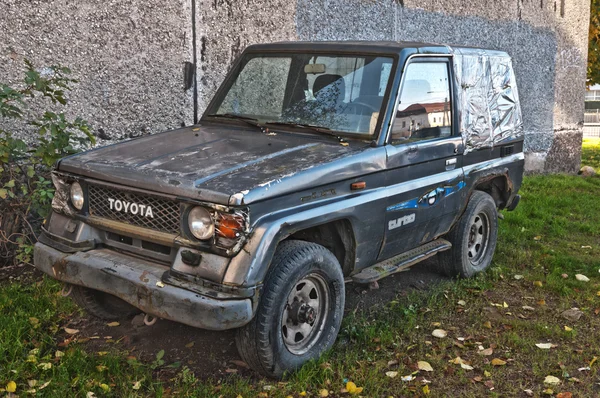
(478, 239)
(304, 313)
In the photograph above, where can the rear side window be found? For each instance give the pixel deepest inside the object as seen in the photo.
(424, 111)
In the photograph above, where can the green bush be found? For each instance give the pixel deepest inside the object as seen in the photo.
(26, 189)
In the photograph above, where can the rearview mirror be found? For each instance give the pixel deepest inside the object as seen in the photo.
(313, 69)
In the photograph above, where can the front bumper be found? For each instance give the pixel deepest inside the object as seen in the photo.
(144, 285)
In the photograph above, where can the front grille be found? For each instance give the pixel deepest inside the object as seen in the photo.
(165, 213)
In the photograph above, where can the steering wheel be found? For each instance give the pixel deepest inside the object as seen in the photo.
(361, 109)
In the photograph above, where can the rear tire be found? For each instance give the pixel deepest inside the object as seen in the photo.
(102, 305)
(300, 311)
(473, 238)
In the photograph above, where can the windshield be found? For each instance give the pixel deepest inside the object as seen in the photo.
(337, 92)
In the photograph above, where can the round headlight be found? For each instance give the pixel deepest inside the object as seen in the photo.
(76, 196)
(201, 223)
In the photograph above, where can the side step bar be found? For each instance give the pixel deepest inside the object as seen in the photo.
(401, 262)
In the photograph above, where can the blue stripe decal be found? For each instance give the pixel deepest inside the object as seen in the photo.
(415, 203)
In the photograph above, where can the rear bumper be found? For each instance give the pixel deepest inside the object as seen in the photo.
(139, 283)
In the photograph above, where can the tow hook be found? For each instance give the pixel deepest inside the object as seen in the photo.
(149, 320)
(66, 289)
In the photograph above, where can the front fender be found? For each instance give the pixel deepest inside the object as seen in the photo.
(249, 267)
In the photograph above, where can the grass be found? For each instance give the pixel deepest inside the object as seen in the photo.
(553, 235)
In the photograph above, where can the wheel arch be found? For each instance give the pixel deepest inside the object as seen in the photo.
(498, 186)
(337, 236)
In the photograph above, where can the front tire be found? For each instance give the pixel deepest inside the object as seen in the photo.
(473, 238)
(300, 312)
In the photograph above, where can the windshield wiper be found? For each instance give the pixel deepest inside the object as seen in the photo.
(249, 120)
(318, 129)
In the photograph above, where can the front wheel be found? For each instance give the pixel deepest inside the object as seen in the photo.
(473, 238)
(300, 312)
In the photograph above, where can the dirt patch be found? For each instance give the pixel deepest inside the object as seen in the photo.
(22, 273)
(212, 354)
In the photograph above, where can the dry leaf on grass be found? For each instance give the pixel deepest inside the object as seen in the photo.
(486, 352)
(423, 365)
(71, 331)
(498, 362)
(582, 278)
(391, 374)
(544, 346)
(552, 380)
(113, 324)
(439, 333)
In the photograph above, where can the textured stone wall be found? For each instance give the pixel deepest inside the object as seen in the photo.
(129, 54)
(547, 40)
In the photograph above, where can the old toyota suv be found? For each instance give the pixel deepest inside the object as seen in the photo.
(315, 164)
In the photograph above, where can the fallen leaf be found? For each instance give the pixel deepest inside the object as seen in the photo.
(586, 247)
(45, 365)
(407, 378)
(486, 352)
(498, 362)
(537, 237)
(323, 393)
(439, 333)
(101, 368)
(71, 331)
(189, 345)
(582, 278)
(548, 391)
(11, 386)
(528, 308)
(393, 362)
(564, 276)
(568, 329)
(541, 302)
(160, 284)
(486, 373)
(537, 284)
(426, 389)
(112, 324)
(544, 346)
(572, 314)
(487, 325)
(552, 380)
(391, 374)
(517, 277)
(137, 385)
(461, 303)
(528, 392)
(593, 361)
(564, 395)
(423, 365)
(344, 144)
(465, 366)
(353, 389)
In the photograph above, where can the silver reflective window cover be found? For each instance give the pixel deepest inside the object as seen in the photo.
(489, 109)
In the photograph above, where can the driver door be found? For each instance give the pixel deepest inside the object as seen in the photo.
(424, 166)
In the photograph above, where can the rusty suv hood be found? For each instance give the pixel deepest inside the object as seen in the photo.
(213, 162)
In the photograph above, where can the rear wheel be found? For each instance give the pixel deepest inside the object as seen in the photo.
(473, 238)
(300, 312)
(102, 305)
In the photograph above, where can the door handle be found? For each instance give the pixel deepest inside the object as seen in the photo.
(450, 164)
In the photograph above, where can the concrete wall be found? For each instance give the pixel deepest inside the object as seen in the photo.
(129, 54)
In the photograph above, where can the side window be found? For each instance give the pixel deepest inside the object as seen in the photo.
(425, 110)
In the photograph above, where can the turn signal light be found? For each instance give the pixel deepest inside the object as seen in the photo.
(230, 226)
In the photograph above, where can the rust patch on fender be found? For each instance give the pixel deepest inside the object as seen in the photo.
(143, 277)
(60, 267)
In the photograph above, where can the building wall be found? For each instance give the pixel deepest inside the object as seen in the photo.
(129, 55)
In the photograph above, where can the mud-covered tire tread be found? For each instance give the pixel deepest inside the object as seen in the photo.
(92, 302)
(450, 262)
(253, 340)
